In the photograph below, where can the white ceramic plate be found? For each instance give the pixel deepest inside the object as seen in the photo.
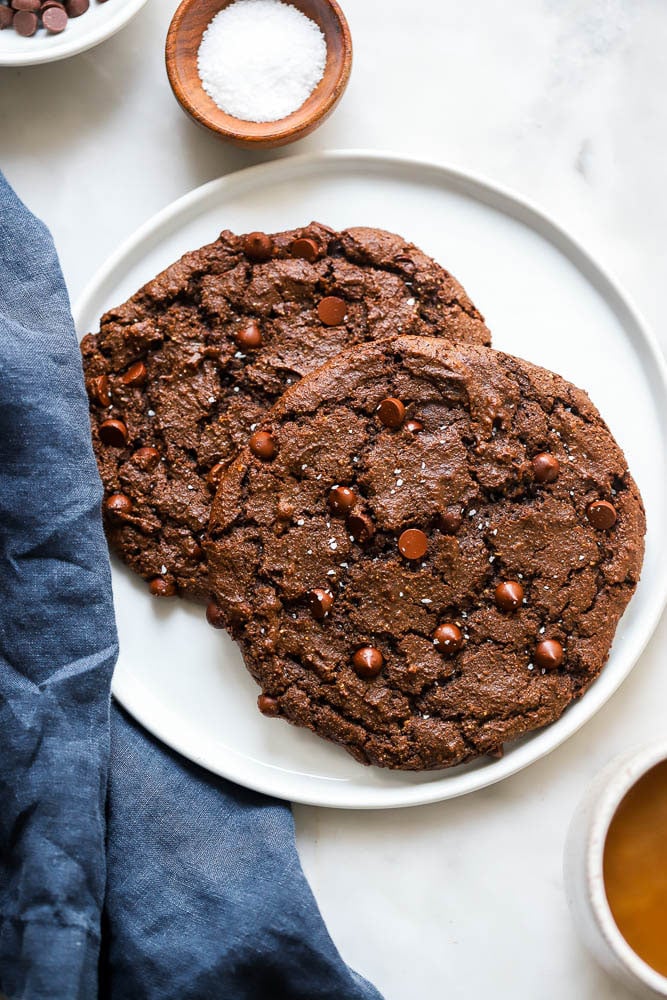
(543, 298)
(101, 21)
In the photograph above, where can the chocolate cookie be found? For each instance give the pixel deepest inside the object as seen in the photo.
(424, 551)
(180, 373)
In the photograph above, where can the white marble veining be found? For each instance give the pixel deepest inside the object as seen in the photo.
(562, 100)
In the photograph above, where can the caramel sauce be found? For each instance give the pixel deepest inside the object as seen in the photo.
(635, 868)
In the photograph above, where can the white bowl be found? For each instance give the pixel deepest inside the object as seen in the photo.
(101, 21)
(584, 883)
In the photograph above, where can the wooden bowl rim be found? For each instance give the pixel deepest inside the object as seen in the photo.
(269, 132)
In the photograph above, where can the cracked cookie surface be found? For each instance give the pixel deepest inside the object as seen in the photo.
(180, 372)
(425, 550)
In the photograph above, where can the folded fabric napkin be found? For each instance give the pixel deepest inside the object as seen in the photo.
(125, 871)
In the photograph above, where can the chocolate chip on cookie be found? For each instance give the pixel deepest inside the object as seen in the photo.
(601, 514)
(391, 412)
(509, 595)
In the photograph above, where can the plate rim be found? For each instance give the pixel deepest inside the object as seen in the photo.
(520, 209)
(108, 27)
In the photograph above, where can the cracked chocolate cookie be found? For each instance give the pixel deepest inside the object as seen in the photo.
(424, 551)
(179, 374)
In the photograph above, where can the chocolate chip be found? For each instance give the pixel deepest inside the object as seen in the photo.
(268, 705)
(414, 426)
(448, 638)
(75, 8)
(406, 264)
(146, 458)
(601, 514)
(450, 521)
(305, 249)
(55, 20)
(413, 543)
(391, 412)
(320, 603)
(135, 374)
(113, 432)
(257, 246)
(214, 475)
(250, 337)
(118, 504)
(361, 527)
(341, 499)
(332, 310)
(263, 445)
(545, 467)
(367, 662)
(159, 587)
(99, 385)
(549, 654)
(509, 595)
(284, 509)
(25, 23)
(214, 615)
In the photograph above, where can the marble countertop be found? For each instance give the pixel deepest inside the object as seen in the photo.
(561, 101)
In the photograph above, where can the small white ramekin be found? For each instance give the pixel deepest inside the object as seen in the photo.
(584, 883)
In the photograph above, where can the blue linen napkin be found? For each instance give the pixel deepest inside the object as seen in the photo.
(125, 871)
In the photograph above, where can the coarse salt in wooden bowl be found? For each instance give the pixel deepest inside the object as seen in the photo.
(184, 38)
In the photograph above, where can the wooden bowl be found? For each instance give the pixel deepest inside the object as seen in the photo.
(183, 41)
